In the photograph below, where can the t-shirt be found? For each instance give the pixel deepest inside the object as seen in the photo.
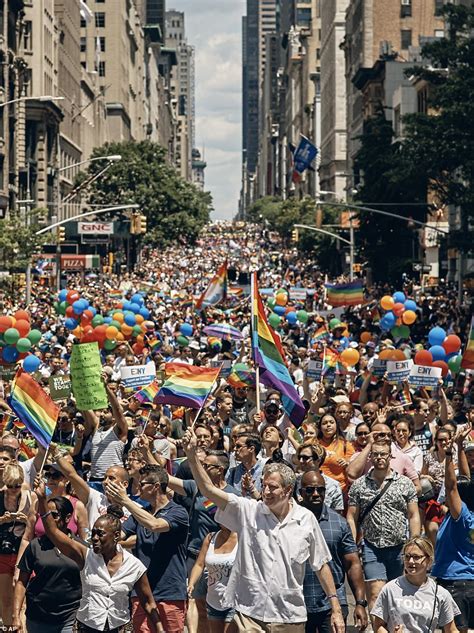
(400, 602)
(54, 591)
(424, 438)
(97, 505)
(454, 552)
(163, 553)
(106, 451)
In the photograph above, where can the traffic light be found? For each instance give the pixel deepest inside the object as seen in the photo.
(111, 260)
(142, 223)
(294, 235)
(135, 224)
(61, 234)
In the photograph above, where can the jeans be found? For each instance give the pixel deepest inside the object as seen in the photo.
(320, 621)
(462, 592)
(44, 627)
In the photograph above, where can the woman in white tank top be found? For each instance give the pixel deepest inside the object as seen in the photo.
(217, 555)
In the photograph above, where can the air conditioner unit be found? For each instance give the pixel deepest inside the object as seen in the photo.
(406, 3)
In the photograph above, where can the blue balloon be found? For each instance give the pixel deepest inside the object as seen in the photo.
(410, 305)
(62, 295)
(126, 306)
(389, 318)
(280, 310)
(108, 319)
(436, 336)
(78, 307)
(134, 307)
(31, 363)
(71, 324)
(399, 297)
(186, 329)
(145, 313)
(10, 354)
(137, 298)
(438, 352)
(93, 310)
(130, 319)
(291, 318)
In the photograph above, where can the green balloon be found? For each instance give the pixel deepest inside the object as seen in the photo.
(137, 329)
(116, 324)
(62, 307)
(97, 320)
(274, 320)
(57, 306)
(404, 331)
(109, 345)
(34, 336)
(302, 316)
(182, 341)
(282, 290)
(271, 303)
(23, 345)
(334, 323)
(395, 331)
(454, 364)
(11, 336)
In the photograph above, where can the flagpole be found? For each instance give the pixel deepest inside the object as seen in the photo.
(324, 359)
(253, 322)
(44, 461)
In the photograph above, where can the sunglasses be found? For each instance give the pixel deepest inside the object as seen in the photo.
(360, 433)
(305, 458)
(15, 487)
(310, 490)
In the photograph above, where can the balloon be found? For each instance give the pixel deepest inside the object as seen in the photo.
(62, 296)
(136, 330)
(78, 307)
(365, 337)
(443, 365)
(137, 348)
(23, 345)
(436, 336)
(385, 354)
(108, 320)
(398, 309)
(291, 318)
(281, 299)
(130, 319)
(22, 315)
(274, 320)
(70, 323)
(302, 316)
(77, 331)
(120, 337)
(101, 332)
(399, 297)
(116, 324)
(409, 317)
(22, 327)
(133, 307)
(10, 354)
(109, 345)
(119, 317)
(437, 352)
(34, 336)
(5, 323)
(387, 302)
(144, 312)
(388, 321)
(126, 329)
(11, 336)
(72, 296)
(186, 329)
(410, 305)
(31, 363)
(452, 343)
(97, 320)
(149, 325)
(395, 354)
(423, 357)
(92, 310)
(62, 307)
(350, 357)
(139, 318)
(137, 298)
(395, 331)
(280, 310)
(334, 323)
(111, 332)
(404, 331)
(182, 341)
(454, 364)
(70, 312)
(271, 303)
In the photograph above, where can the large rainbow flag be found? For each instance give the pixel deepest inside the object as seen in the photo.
(268, 354)
(217, 289)
(34, 407)
(350, 294)
(468, 356)
(186, 385)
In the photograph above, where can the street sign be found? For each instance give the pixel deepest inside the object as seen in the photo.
(95, 228)
(424, 268)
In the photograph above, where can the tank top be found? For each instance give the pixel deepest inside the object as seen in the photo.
(12, 532)
(219, 567)
(72, 525)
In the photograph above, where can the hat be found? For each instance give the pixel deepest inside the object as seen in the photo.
(388, 342)
(370, 344)
(469, 446)
(194, 345)
(340, 399)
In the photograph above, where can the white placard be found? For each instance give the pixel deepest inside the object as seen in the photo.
(398, 370)
(136, 377)
(421, 376)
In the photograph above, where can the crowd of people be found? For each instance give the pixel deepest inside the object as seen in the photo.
(151, 518)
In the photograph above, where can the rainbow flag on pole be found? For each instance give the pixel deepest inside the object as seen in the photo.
(468, 356)
(268, 354)
(332, 362)
(34, 407)
(350, 294)
(186, 385)
(148, 393)
(217, 289)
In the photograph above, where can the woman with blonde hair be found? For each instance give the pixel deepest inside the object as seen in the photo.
(414, 602)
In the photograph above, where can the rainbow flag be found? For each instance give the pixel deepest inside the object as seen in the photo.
(350, 294)
(209, 506)
(320, 335)
(468, 356)
(154, 343)
(332, 362)
(217, 289)
(186, 385)
(148, 393)
(34, 408)
(26, 452)
(404, 396)
(269, 356)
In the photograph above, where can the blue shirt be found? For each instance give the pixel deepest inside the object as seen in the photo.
(338, 537)
(163, 553)
(234, 475)
(454, 552)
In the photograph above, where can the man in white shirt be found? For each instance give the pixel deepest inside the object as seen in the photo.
(276, 539)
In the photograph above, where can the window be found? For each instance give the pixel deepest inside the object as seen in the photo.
(27, 35)
(83, 23)
(405, 11)
(101, 69)
(83, 44)
(439, 33)
(100, 1)
(405, 39)
(101, 42)
(438, 5)
(99, 19)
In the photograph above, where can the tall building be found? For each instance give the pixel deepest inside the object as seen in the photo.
(199, 165)
(250, 89)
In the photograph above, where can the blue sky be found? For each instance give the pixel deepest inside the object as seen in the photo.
(214, 28)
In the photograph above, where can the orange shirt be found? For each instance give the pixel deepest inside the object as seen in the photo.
(336, 450)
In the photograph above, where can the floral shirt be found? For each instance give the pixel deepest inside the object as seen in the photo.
(386, 524)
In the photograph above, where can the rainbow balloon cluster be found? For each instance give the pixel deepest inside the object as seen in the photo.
(400, 314)
(443, 352)
(17, 339)
(280, 309)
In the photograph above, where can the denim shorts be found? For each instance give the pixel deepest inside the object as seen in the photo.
(214, 614)
(462, 592)
(382, 563)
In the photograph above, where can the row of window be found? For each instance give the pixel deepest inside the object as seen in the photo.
(99, 68)
(406, 7)
(99, 44)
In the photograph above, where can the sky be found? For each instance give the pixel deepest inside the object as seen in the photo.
(214, 28)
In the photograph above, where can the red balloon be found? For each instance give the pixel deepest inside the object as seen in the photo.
(22, 315)
(443, 365)
(88, 338)
(88, 329)
(398, 309)
(70, 312)
(99, 331)
(424, 357)
(451, 343)
(23, 327)
(5, 323)
(72, 296)
(137, 348)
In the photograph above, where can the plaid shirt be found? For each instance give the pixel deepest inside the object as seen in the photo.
(338, 537)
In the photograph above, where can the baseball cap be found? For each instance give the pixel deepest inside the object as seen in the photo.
(469, 446)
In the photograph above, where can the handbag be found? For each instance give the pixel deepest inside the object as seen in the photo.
(371, 506)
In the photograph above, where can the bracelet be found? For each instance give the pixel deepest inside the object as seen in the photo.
(46, 514)
(333, 595)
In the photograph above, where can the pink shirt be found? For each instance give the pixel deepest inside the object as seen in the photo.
(72, 525)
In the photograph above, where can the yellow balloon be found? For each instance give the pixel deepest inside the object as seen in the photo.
(409, 317)
(350, 357)
(387, 302)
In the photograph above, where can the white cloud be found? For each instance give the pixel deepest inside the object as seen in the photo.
(214, 28)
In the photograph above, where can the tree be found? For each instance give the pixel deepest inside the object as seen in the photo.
(175, 208)
(18, 240)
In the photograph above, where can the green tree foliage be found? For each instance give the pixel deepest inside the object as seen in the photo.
(18, 240)
(175, 209)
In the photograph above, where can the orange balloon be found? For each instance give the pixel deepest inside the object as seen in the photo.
(281, 299)
(365, 337)
(126, 329)
(77, 331)
(139, 319)
(23, 327)
(111, 332)
(119, 317)
(120, 337)
(385, 354)
(387, 302)
(22, 315)
(350, 357)
(140, 339)
(409, 317)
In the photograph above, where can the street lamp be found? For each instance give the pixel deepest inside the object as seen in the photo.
(20, 99)
(113, 158)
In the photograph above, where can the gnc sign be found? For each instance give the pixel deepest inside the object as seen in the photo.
(95, 228)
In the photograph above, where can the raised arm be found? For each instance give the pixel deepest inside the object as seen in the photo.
(117, 493)
(453, 500)
(121, 426)
(81, 488)
(356, 466)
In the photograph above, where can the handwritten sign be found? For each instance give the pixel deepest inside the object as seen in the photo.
(86, 380)
(315, 369)
(135, 377)
(379, 367)
(398, 370)
(421, 376)
(59, 387)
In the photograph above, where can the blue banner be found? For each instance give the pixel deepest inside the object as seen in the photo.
(304, 155)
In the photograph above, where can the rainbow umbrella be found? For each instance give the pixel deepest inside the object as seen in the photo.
(223, 330)
(241, 376)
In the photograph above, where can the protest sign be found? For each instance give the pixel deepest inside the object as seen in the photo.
(315, 369)
(135, 377)
(59, 387)
(398, 370)
(87, 385)
(298, 294)
(379, 367)
(421, 376)
(226, 367)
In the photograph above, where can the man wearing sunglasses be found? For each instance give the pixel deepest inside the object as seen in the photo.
(345, 560)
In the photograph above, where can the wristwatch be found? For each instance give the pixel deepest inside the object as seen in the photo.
(362, 603)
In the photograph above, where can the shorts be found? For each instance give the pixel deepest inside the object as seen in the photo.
(227, 615)
(172, 615)
(321, 620)
(200, 588)
(433, 512)
(382, 563)
(462, 592)
(33, 626)
(7, 563)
